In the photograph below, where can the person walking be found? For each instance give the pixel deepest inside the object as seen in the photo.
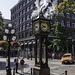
(22, 65)
(6, 65)
(53, 55)
(16, 63)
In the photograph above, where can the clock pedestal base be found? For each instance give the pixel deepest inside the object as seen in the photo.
(41, 71)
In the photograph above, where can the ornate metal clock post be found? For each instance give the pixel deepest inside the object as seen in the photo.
(41, 30)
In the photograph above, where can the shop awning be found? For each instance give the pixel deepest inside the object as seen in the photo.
(21, 43)
(33, 42)
(30, 43)
(25, 43)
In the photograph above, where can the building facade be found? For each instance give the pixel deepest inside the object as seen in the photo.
(21, 20)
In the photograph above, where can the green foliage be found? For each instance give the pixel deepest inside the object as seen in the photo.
(61, 41)
(6, 44)
(66, 6)
(1, 26)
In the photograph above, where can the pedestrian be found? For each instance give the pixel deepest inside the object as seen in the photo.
(28, 55)
(49, 55)
(22, 65)
(53, 55)
(16, 63)
(6, 65)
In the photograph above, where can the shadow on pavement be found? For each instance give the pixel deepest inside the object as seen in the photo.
(24, 73)
(12, 65)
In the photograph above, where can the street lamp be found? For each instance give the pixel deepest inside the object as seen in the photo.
(9, 36)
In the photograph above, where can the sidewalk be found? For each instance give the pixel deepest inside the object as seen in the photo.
(27, 66)
(56, 68)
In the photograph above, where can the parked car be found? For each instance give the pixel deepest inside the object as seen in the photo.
(67, 58)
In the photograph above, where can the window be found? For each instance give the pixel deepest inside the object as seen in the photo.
(30, 16)
(68, 15)
(26, 34)
(27, 25)
(19, 21)
(16, 23)
(23, 11)
(73, 25)
(68, 23)
(20, 13)
(16, 37)
(62, 22)
(73, 16)
(73, 34)
(20, 6)
(30, 34)
(23, 4)
(31, 6)
(27, 9)
(27, 1)
(23, 27)
(22, 35)
(19, 28)
(23, 19)
(27, 17)
(30, 25)
(19, 36)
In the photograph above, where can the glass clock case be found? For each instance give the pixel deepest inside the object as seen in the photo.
(43, 51)
(38, 50)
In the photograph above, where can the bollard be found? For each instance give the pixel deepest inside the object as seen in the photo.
(13, 71)
(31, 71)
(66, 72)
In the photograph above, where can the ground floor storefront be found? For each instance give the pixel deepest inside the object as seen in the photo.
(28, 50)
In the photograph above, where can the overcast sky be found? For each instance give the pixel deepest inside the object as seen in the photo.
(5, 6)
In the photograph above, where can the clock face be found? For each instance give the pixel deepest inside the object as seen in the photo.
(36, 27)
(44, 27)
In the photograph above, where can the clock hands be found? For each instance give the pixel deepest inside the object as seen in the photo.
(43, 26)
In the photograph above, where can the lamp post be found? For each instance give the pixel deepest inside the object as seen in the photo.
(9, 36)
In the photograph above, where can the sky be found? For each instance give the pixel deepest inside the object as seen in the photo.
(5, 6)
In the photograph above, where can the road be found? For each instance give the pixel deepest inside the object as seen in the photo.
(56, 68)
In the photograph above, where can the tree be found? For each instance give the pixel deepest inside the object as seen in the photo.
(61, 42)
(66, 6)
(1, 26)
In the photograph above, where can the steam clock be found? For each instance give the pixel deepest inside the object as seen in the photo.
(41, 29)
